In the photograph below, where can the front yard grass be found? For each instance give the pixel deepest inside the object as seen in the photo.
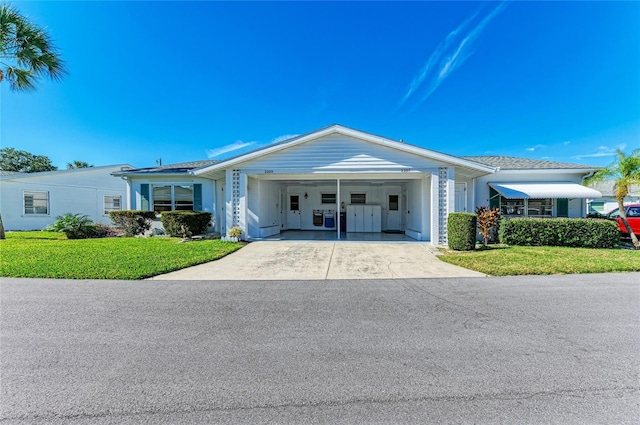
(51, 255)
(530, 260)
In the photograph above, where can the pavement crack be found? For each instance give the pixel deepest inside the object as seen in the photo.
(580, 393)
(333, 248)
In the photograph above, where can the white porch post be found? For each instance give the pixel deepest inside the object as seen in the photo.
(244, 195)
(338, 208)
(215, 214)
(435, 209)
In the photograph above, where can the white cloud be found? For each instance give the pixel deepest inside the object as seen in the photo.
(238, 144)
(602, 151)
(283, 138)
(567, 143)
(448, 56)
(535, 148)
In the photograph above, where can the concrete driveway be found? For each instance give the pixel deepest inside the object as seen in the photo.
(313, 260)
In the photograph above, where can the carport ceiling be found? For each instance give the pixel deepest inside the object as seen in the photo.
(313, 183)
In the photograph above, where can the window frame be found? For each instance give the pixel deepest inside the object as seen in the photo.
(171, 202)
(113, 197)
(328, 198)
(522, 204)
(24, 202)
(358, 194)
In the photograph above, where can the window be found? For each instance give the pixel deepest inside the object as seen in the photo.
(172, 197)
(36, 202)
(294, 203)
(393, 202)
(112, 203)
(633, 212)
(511, 206)
(328, 198)
(527, 207)
(540, 207)
(358, 198)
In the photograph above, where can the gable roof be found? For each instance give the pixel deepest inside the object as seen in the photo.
(11, 175)
(607, 188)
(178, 168)
(515, 163)
(346, 131)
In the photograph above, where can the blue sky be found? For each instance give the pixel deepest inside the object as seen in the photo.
(190, 80)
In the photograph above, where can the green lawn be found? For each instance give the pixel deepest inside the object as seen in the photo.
(51, 255)
(527, 260)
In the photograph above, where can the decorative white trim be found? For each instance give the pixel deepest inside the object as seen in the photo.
(443, 177)
(235, 198)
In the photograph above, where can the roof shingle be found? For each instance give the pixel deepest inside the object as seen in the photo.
(515, 163)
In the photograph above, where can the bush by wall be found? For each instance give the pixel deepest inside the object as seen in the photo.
(461, 231)
(185, 223)
(576, 232)
(132, 222)
(75, 226)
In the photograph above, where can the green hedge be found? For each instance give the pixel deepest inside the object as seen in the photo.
(132, 222)
(576, 232)
(461, 231)
(185, 223)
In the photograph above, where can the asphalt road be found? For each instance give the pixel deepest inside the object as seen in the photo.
(560, 349)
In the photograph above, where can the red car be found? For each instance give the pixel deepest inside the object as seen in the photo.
(633, 218)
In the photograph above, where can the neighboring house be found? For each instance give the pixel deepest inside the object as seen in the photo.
(32, 201)
(608, 202)
(378, 184)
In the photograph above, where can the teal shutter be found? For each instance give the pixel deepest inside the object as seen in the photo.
(144, 197)
(197, 197)
(563, 207)
(494, 198)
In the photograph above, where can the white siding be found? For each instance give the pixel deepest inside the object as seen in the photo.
(75, 191)
(338, 153)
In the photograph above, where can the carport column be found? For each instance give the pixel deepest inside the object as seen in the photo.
(236, 200)
(244, 196)
(435, 228)
(338, 209)
(445, 202)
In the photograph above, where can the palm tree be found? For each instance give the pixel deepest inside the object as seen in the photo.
(625, 172)
(78, 164)
(26, 51)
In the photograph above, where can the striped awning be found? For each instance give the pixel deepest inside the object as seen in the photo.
(544, 190)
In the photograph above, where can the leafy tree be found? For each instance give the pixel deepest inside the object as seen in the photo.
(625, 172)
(78, 164)
(24, 162)
(488, 220)
(26, 51)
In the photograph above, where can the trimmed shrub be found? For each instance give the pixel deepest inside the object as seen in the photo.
(106, 231)
(575, 232)
(183, 224)
(461, 231)
(75, 226)
(132, 222)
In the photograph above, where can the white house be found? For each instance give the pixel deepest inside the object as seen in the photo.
(377, 184)
(608, 201)
(32, 201)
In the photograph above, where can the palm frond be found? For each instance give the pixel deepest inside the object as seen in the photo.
(30, 49)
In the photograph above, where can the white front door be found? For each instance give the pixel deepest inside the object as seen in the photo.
(394, 212)
(293, 212)
(461, 197)
(283, 208)
(221, 213)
